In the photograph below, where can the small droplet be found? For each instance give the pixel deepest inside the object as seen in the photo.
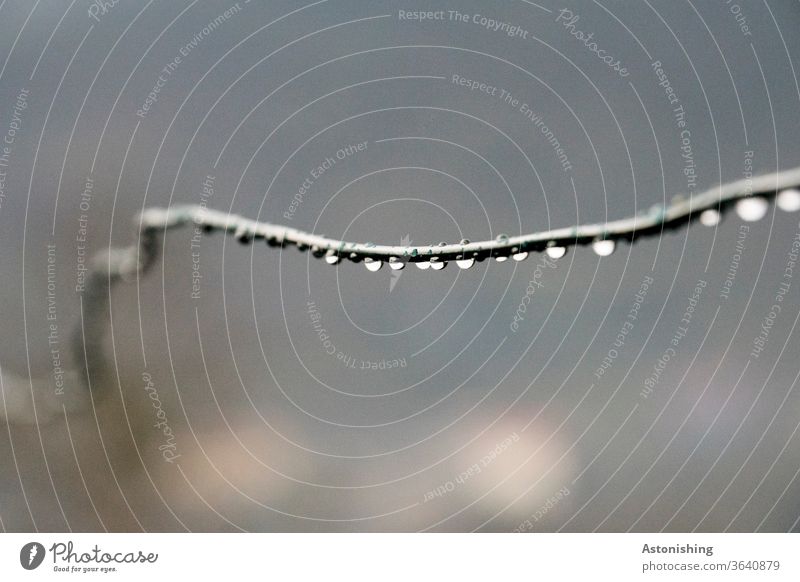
(555, 252)
(332, 259)
(437, 265)
(396, 264)
(752, 209)
(710, 217)
(423, 265)
(355, 257)
(520, 256)
(502, 238)
(372, 264)
(464, 241)
(603, 247)
(242, 235)
(501, 258)
(789, 200)
(657, 212)
(465, 263)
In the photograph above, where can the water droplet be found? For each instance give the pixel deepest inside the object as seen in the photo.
(465, 263)
(423, 265)
(396, 264)
(789, 200)
(520, 256)
(709, 217)
(752, 209)
(501, 258)
(355, 257)
(372, 264)
(502, 238)
(242, 235)
(555, 252)
(657, 211)
(603, 247)
(464, 241)
(332, 259)
(442, 244)
(437, 265)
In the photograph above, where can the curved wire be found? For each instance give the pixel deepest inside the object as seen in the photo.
(121, 264)
(682, 210)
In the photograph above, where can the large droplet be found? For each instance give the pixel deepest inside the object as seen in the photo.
(423, 265)
(372, 264)
(555, 252)
(396, 264)
(437, 265)
(789, 200)
(603, 247)
(710, 217)
(465, 263)
(752, 209)
(332, 258)
(520, 256)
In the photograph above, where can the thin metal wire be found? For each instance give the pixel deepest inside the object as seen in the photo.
(654, 221)
(114, 264)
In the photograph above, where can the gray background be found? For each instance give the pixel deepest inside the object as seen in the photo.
(276, 435)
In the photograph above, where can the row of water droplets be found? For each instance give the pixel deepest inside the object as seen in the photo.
(750, 209)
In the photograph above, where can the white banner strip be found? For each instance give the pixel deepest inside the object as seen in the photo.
(388, 557)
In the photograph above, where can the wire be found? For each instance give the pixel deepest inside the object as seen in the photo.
(747, 196)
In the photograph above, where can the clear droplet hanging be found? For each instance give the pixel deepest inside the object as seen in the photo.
(752, 209)
(603, 247)
(789, 200)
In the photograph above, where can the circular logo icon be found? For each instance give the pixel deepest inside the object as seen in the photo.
(31, 555)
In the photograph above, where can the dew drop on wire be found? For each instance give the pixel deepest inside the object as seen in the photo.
(752, 209)
(373, 265)
(332, 259)
(555, 252)
(437, 265)
(465, 263)
(710, 217)
(520, 256)
(789, 200)
(603, 248)
(423, 265)
(396, 264)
